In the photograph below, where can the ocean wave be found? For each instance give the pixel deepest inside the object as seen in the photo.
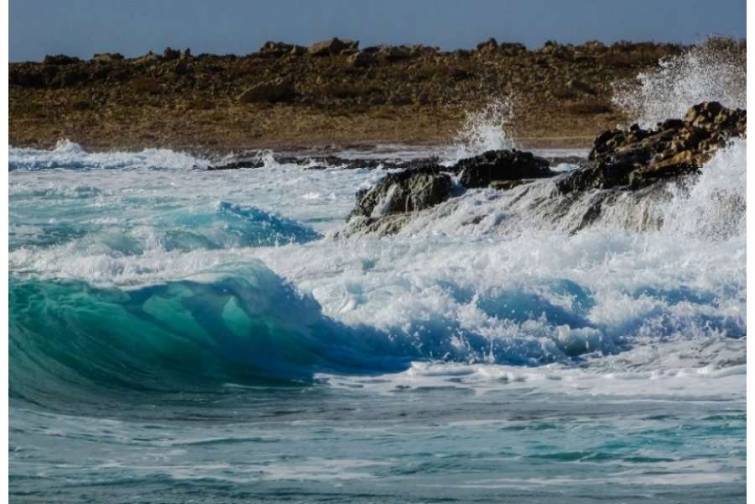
(71, 156)
(246, 325)
(250, 329)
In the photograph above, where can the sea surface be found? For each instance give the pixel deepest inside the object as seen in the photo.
(181, 335)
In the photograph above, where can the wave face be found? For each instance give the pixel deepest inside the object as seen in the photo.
(180, 335)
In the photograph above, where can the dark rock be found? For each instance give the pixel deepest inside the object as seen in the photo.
(394, 53)
(235, 165)
(637, 157)
(277, 90)
(69, 75)
(332, 47)
(297, 50)
(256, 160)
(583, 87)
(489, 45)
(361, 59)
(60, 59)
(501, 165)
(171, 54)
(511, 48)
(275, 49)
(505, 185)
(406, 191)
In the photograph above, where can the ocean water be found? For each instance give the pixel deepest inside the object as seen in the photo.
(182, 335)
(179, 335)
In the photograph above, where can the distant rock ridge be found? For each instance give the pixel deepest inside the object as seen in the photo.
(333, 92)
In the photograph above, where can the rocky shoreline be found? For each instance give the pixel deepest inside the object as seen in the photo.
(634, 160)
(330, 95)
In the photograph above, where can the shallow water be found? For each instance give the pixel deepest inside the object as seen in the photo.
(181, 335)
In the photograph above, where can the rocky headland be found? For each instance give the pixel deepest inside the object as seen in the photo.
(334, 93)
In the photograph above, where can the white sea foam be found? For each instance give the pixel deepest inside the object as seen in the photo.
(516, 279)
(714, 70)
(485, 129)
(67, 154)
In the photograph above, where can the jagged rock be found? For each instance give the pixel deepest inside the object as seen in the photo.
(501, 165)
(361, 59)
(505, 185)
(257, 160)
(150, 57)
(107, 57)
(386, 207)
(406, 191)
(394, 53)
(511, 48)
(637, 157)
(297, 50)
(171, 54)
(275, 49)
(60, 59)
(281, 89)
(332, 46)
(489, 45)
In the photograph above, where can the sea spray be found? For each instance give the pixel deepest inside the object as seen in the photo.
(712, 71)
(484, 129)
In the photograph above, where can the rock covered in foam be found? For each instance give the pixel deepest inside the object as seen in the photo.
(406, 191)
(387, 206)
(636, 157)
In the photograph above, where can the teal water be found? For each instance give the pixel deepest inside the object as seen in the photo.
(179, 335)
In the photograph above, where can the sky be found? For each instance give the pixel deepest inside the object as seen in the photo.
(133, 27)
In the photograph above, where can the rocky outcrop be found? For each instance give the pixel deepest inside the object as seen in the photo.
(636, 157)
(276, 90)
(60, 59)
(318, 162)
(501, 165)
(107, 57)
(362, 59)
(386, 207)
(407, 191)
(332, 47)
(633, 162)
(278, 49)
(488, 46)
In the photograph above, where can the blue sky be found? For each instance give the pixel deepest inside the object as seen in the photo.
(132, 27)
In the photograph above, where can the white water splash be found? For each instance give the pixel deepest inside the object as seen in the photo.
(485, 129)
(714, 70)
(67, 154)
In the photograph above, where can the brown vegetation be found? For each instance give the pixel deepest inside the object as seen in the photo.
(331, 94)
